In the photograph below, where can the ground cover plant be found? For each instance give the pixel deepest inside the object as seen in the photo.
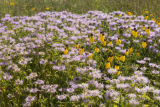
(65, 59)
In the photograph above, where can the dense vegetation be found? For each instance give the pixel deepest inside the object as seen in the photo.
(93, 59)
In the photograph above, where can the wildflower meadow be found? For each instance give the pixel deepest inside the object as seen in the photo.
(95, 59)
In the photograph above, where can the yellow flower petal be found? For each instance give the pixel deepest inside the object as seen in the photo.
(108, 65)
(116, 67)
(144, 44)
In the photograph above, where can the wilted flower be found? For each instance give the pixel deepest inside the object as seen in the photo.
(95, 74)
(157, 98)
(10, 95)
(155, 72)
(51, 90)
(27, 104)
(39, 82)
(34, 90)
(32, 75)
(134, 102)
(141, 61)
(41, 53)
(112, 71)
(30, 98)
(70, 90)
(45, 87)
(61, 97)
(43, 61)
(123, 86)
(19, 82)
(143, 68)
(7, 76)
(74, 98)
(132, 96)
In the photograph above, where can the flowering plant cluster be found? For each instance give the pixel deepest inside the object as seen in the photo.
(65, 59)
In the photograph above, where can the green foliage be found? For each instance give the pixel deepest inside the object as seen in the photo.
(30, 7)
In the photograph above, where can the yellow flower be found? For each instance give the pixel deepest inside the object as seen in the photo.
(95, 31)
(130, 14)
(102, 39)
(148, 31)
(104, 43)
(146, 12)
(118, 72)
(108, 65)
(144, 44)
(110, 43)
(153, 19)
(76, 46)
(141, 36)
(151, 14)
(96, 50)
(118, 42)
(81, 51)
(116, 67)
(33, 9)
(138, 54)
(11, 3)
(159, 24)
(146, 17)
(122, 58)
(145, 105)
(90, 56)
(110, 59)
(127, 53)
(47, 8)
(130, 50)
(135, 33)
(100, 36)
(91, 39)
(144, 28)
(66, 51)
